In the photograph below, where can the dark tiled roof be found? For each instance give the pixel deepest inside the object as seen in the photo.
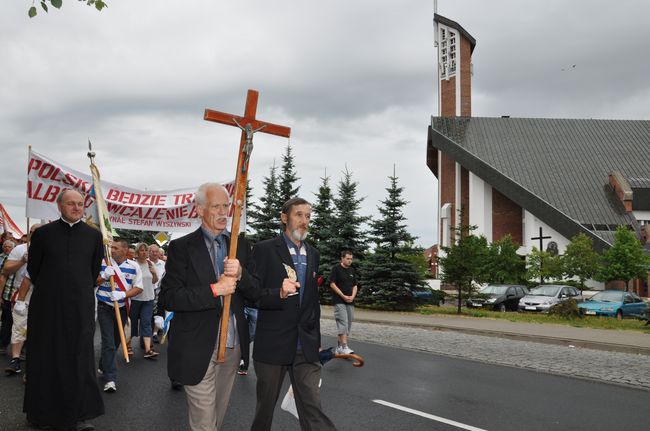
(553, 165)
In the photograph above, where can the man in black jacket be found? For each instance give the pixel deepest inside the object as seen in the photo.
(288, 323)
(198, 274)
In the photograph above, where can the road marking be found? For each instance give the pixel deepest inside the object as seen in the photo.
(428, 416)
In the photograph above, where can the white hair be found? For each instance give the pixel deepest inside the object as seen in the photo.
(8, 242)
(199, 196)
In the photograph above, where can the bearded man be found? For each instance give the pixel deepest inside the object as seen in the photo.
(287, 338)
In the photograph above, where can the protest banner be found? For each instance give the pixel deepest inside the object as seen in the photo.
(128, 208)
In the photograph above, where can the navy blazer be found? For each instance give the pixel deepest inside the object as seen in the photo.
(185, 290)
(281, 322)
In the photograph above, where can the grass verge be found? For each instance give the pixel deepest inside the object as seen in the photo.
(584, 322)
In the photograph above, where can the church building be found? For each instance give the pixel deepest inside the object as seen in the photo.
(540, 180)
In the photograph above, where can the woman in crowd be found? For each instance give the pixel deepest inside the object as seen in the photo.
(142, 304)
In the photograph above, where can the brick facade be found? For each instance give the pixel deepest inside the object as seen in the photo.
(506, 218)
(465, 78)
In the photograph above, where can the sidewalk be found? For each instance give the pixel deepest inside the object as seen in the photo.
(600, 339)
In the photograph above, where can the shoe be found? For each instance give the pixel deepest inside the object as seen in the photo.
(84, 426)
(110, 387)
(14, 367)
(242, 371)
(129, 350)
(338, 350)
(150, 354)
(347, 350)
(154, 338)
(177, 386)
(100, 371)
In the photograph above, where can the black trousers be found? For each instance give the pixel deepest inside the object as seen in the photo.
(6, 323)
(305, 377)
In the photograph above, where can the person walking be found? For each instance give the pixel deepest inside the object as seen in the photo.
(288, 335)
(64, 261)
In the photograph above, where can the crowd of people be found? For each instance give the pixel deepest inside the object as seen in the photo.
(62, 291)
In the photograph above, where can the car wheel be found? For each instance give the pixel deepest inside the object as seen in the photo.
(502, 308)
(619, 314)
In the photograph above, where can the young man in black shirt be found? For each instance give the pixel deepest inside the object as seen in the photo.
(343, 282)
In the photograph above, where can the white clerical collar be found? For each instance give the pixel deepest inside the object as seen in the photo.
(68, 223)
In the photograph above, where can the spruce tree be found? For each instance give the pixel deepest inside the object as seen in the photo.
(321, 232)
(389, 275)
(264, 217)
(287, 178)
(136, 236)
(347, 224)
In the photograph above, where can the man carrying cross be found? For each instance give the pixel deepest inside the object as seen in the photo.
(198, 276)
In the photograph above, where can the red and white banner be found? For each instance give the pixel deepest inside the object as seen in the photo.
(128, 208)
(7, 224)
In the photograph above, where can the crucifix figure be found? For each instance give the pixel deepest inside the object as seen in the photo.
(249, 125)
(541, 239)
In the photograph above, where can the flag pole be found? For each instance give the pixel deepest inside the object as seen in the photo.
(107, 237)
(29, 156)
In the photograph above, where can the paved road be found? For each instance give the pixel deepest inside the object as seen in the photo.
(612, 367)
(472, 393)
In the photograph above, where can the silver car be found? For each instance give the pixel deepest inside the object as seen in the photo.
(545, 296)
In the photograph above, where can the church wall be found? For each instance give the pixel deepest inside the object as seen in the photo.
(506, 218)
(465, 78)
(480, 206)
(448, 97)
(464, 196)
(448, 186)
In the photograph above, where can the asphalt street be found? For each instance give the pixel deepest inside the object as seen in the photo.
(397, 389)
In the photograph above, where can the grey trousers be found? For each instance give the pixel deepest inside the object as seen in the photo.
(304, 379)
(207, 401)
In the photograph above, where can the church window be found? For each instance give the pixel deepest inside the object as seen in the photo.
(447, 53)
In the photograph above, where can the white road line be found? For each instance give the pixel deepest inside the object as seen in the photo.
(428, 416)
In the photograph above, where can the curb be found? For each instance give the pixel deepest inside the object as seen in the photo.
(585, 344)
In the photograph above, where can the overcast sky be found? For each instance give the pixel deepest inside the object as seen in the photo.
(355, 80)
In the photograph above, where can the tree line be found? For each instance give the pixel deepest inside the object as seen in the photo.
(389, 264)
(471, 261)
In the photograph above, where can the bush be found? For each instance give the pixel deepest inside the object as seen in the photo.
(566, 310)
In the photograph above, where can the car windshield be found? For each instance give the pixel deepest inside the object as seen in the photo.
(494, 290)
(545, 290)
(608, 297)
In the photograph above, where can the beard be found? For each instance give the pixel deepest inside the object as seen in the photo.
(295, 234)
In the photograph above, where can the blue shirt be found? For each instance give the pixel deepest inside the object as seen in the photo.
(298, 255)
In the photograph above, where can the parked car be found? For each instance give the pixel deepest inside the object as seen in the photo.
(614, 303)
(500, 297)
(543, 297)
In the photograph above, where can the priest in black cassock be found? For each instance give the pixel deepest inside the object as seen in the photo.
(63, 264)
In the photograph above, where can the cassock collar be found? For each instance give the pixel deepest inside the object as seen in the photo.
(68, 223)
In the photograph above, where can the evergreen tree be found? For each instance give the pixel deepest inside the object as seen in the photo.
(136, 236)
(264, 217)
(389, 275)
(347, 224)
(249, 207)
(287, 178)
(321, 228)
(580, 260)
(464, 262)
(625, 260)
(504, 265)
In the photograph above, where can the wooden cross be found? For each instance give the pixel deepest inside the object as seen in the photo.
(249, 126)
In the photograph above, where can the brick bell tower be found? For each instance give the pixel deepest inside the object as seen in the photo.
(455, 46)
